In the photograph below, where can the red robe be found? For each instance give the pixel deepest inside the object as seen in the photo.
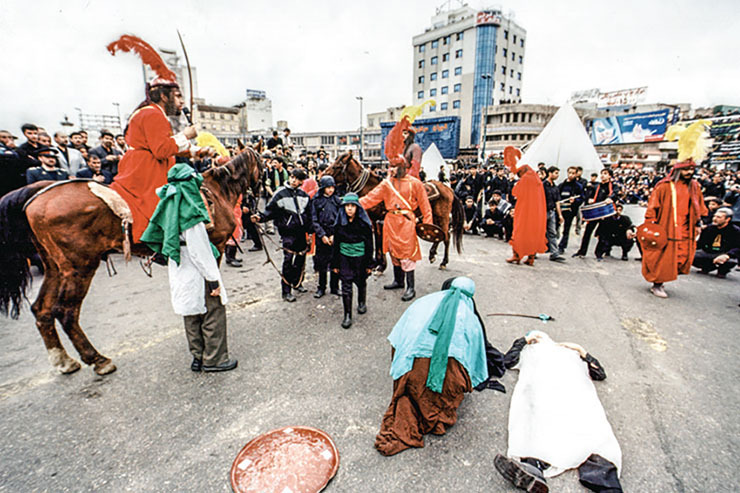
(399, 226)
(530, 215)
(678, 255)
(144, 167)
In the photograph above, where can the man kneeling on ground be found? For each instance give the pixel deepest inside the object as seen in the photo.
(719, 245)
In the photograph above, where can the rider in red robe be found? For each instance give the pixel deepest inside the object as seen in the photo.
(152, 151)
(412, 152)
(677, 205)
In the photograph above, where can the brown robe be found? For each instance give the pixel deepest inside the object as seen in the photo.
(678, 255)
(415, 410)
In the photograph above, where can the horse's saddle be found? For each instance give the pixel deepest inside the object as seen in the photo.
(432, 191)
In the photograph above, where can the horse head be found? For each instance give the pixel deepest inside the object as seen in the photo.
(241, 175)
(345, 169)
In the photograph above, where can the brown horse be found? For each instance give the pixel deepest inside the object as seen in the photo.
(347, 171)
(73, 230)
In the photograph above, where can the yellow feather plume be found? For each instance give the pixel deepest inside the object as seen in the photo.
(692, 140)
(413, 112)
(207, 139)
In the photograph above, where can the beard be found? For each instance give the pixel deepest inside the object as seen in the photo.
(170, 108)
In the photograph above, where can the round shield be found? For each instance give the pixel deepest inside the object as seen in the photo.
(652, 236)
(297, 459)
(430, 232)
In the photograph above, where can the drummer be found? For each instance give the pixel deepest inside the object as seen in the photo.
(605, 191)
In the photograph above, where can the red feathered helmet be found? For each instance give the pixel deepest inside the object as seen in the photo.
(149, 56)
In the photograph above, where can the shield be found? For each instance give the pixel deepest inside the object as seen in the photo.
(652, 236)
(297, 459)
(430, 232)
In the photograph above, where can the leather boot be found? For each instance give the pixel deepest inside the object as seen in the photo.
(347, 302)
(334, 283)
(514, 259)
(361, 297)
(397, 279)
(410, 292)
(321, 290)
(230, 254)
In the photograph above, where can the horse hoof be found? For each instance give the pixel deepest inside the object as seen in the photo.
(432, 260)
(442, 267)
(105, 367)
(60, 360)
(70, 366)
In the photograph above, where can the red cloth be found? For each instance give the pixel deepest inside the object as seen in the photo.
(677, 257)
(144, 167)
(530, 215)
(310, 187)
(399, 226)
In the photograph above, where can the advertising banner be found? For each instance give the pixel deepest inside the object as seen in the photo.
(444, 132)
(630, 129)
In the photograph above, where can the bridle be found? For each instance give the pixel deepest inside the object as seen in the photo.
(359, 183)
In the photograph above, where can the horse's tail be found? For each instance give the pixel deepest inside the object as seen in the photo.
(16, 247)
(458, 221)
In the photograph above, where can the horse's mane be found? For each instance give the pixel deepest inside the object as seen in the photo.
(244, 170)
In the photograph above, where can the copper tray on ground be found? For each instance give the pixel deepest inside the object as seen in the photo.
(296, 459)
(430, 232)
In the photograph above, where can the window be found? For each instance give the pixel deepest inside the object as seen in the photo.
(446, 40)
(435, 43)
(432, 109)
(520, 59)
(433, 61)
(443, 106)
(511, 89)
(458, 70)
(222, 116)
(505, 52)
(456, 103)
(432, 92)
(445, 74)
(518, 92)
(503, 87)
(513, 56)
(506, 34)
(443, 90)
(516, 118)
(457, 87)
(421, 79)
(519, 76)
(420, 95)
(433, 76)
(446, 57)
(521, 43)
(327, 140)
(503, 70)
(514, 39)
(422, 48)
(459, 36)
(458, 54)
(421, 63)
(512, 72)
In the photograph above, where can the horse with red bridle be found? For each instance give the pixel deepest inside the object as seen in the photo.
(73, 230)
(447, 210)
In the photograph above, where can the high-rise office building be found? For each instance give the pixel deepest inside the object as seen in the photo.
(468, 59)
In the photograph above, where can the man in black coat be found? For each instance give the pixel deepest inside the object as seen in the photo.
(109, 155)
(572, 196)
(93, 171)
(719, 245)
(616, 230)
(324, 207)
(603, 191)
(288, 208)
(497, 218)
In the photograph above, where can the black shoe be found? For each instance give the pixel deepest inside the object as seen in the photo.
(347, 302)
(196, 365)
(335, 292)
(289, 297)
(624, 257)
(410, 292)
(578, 254)
(397, 279)
(522, 475)
(557, 258)
(361, 297)
(319, 293)
(226, 366)
(347, 322)
(234, 262)
(255, 248)
(301, 289)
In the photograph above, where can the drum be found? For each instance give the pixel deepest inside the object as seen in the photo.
(598, 210)
(297, 459)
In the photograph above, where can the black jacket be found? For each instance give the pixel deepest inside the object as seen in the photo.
(353, 232)
(324, 211)
(717, 241)
(38, 174)
(88, 173)
(288, 208)
(570, 189)
(614, 228)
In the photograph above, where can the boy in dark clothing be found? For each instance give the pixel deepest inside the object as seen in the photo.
(324, 208)
(352, 253)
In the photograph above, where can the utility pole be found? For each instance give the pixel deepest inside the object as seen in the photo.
(487, 78)
(362, 139)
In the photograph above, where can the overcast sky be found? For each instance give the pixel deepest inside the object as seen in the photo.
(314, 57)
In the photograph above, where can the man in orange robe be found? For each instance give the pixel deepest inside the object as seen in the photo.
(402, 195)
(677, 205)
(530, 212)
(152, 151)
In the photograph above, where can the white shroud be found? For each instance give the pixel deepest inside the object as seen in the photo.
(555, 413)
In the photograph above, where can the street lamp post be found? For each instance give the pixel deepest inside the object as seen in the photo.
(362, 139)
(487, 78)
(118, 111)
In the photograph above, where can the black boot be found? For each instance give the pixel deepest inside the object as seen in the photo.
(361, 297)
(347, 302)
(410, 292)
(397, 279)
(321, 291)
(334, 283)
(230, 254)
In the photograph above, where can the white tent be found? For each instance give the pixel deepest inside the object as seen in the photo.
(562, 143)
(431, 160)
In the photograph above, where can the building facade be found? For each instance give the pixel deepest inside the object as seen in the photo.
(513, 124)
(221, 121)
(467, 60)
(336, 143)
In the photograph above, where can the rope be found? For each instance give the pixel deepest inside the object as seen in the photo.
(269, 260)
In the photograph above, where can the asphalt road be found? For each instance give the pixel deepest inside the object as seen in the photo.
(671, 394)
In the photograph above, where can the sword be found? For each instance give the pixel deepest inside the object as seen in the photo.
(190, 79)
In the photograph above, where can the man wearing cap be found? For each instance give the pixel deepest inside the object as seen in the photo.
(153, 148)
(324, 208)
(412, 152)
(288, 208)
(676, 205)
(48, 170)
(106, 151)
(719, 245)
